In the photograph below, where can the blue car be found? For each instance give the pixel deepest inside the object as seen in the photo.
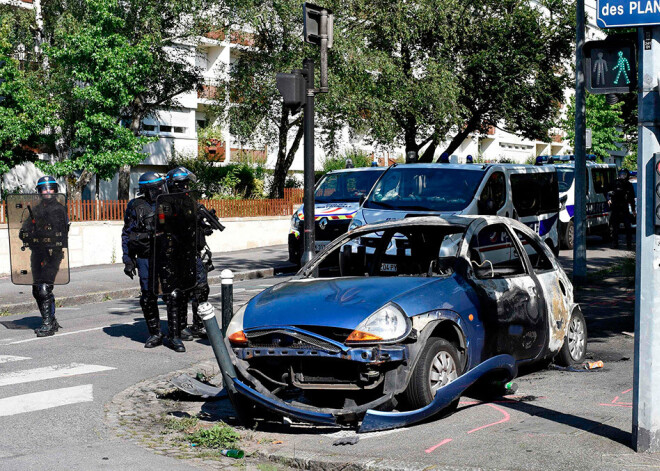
(391, 329)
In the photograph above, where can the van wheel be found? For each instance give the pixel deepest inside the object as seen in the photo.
(574, 349)
(438, 365)
(569, 235)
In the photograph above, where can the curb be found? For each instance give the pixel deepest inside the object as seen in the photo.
(125, 293)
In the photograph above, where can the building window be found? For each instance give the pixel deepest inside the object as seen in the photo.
(165, 128)
(149, 127)
(180, 130)
(201, 123)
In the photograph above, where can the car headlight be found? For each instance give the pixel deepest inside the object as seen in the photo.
(235, 332)
(387, 324)
(355, 223)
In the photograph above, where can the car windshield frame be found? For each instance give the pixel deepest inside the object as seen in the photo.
(342, 194)
(423, 198)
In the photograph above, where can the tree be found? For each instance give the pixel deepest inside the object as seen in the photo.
(427, 70)
(111, 64)
(605, 122)
(26, 110)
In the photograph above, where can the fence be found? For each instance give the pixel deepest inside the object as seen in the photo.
(113, 210)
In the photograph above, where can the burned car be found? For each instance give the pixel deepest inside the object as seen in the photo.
(439, 302)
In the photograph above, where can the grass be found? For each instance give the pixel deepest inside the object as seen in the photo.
(624, 268)
(181, 425)
(5, 312)
(219, 436)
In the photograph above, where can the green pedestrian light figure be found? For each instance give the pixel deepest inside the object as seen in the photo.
(624, 67)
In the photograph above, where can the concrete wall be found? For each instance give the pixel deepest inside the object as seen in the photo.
(99, 243)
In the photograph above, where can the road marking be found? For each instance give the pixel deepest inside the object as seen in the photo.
(45, 400)
(443, 442)
(49, 372)
(58, 335)
(8, 358)
(506, 418)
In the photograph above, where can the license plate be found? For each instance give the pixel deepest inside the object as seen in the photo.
(318, 246)
(388, 267)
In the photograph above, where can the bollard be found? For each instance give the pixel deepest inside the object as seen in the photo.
(227, 299)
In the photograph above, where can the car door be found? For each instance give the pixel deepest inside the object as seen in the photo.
(555, 289)
(493, 197)
(511, 312)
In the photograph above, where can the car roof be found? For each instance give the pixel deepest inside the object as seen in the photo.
(477, 167)
(358, 169)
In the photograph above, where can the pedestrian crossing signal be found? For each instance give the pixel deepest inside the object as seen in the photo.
(610, 66)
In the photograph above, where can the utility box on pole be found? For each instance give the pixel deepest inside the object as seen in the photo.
(293, 88)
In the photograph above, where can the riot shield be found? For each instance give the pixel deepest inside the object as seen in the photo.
(38, 239)
(174, 252)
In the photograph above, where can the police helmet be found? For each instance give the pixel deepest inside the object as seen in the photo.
(444, 158)
(624, 174)
(47, 183)
(151, 184)
(469, 159)
(178, 179)
(349, 163)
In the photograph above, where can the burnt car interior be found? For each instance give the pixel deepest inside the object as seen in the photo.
(423, 251)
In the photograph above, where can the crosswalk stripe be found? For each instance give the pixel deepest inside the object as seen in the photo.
(49, 372)
(8, 358)
(45, 400)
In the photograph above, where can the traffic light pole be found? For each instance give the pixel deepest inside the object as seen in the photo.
(580, 216)
(308, 198)
(646, 391)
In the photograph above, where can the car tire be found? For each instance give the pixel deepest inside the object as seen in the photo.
(439, 363)
(574, 350)
(569, 235)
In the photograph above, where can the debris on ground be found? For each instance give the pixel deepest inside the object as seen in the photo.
(346, 441)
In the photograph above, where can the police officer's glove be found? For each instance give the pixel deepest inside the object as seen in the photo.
(129, 269)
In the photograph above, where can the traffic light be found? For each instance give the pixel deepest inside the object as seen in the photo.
(293, 89)
(656, 186)
(312, 24)
(611, 65)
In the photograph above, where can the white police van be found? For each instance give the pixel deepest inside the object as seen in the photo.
(527, 193)
(599, 178)
(336, 199)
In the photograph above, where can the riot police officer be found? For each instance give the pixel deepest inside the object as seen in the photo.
(621, 197)
(178, 180)
(45, 233)
(136, 238)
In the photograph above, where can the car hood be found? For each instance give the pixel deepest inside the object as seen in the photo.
(331, 209)
(331, 302)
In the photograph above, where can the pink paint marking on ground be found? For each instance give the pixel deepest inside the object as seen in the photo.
(618, 405)
(627, 391)
(443, 442)
(506, 418)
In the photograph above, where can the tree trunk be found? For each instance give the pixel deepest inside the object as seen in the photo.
(429, 152)
(124, 182)
(76, 185)
(458, 139)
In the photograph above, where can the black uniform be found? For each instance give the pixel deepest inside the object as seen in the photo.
(47, 218)
(621, 197)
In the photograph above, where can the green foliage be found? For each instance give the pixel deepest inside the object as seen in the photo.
(219, 436)
(359, 159)
(227, 181)
(605, 122)
(180, 425)
(27, 108)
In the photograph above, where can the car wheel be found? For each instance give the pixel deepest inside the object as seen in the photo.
(569, 235)
(574, 349)
(439, 364)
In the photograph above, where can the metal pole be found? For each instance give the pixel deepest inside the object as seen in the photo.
(646, 392)
(308, 201)
(227, 293)
(580, 247)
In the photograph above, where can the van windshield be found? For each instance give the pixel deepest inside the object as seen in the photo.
(346, 187)
(565, 178)
(415, 188)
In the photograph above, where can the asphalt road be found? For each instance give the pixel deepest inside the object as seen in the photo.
(53, 389)
(554, 419)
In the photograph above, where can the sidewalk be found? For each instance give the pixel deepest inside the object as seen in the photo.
(104, 282)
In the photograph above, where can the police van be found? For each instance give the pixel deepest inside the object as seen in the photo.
(524, 192)
(336, 199)
(599, 178)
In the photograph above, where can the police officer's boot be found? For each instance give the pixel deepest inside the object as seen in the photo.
(201, 296)
(174, 322)
(186, 334)
(43, 294)
(149, 305)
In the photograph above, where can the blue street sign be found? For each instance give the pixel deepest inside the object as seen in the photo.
(626, 13)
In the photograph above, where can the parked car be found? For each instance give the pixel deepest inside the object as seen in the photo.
(527, 193)
(336, 199)
(599, 178)
(382, 329)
